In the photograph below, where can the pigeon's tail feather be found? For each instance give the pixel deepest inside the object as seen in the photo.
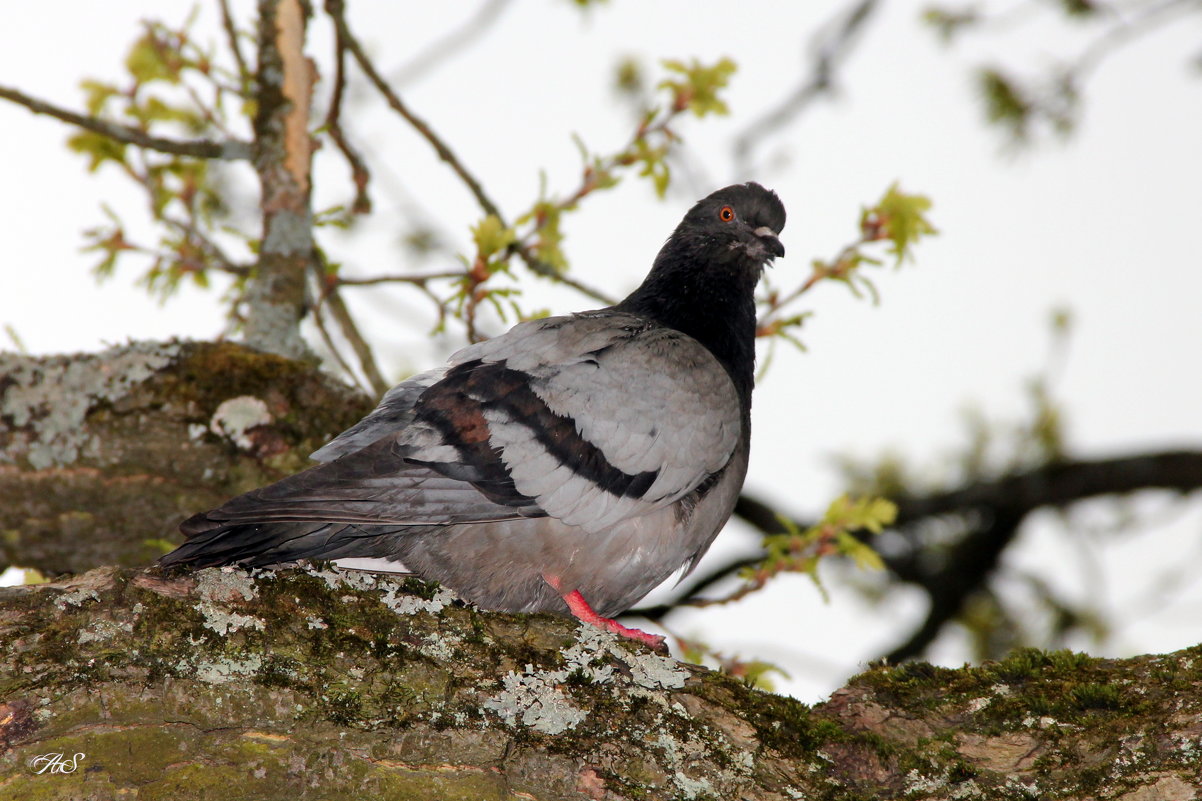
(214, 543)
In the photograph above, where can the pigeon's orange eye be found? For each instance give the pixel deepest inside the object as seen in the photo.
(726, 214)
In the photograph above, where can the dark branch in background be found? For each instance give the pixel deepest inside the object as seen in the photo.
(828, 49)
(960, 572)
(992, 511)
(452, 43)
(229, 150)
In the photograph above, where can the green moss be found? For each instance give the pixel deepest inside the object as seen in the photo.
(1096, 696)
(424, 677)
(781, 723)
(1028, 685)
(212, 373)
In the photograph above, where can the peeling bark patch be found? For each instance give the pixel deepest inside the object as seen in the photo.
(16, 722)
(1165, 788)
(1014, 752)
(236, 418)
(590, 783)
(180, 587)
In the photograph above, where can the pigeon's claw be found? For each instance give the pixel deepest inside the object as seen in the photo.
(582, 611)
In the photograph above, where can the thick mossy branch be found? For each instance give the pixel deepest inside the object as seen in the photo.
(312, 683)
(322, 684)
(104, 454)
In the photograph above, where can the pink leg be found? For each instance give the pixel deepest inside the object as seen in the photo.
(583, 611)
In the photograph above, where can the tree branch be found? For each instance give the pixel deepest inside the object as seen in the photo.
(229, 150)
(269, 679)
(231, 35)
(996, 509)
(452, 43)
(337, 11)
(360, 175)
(829, 47)
(276, 297)
(332, 299)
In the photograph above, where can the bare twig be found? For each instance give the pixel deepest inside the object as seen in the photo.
(336, 10)
(540, 267)
(231, 33)
(410, 278)
(228, 150)
(830, 46)
(332, 300)
(220, 259)
(360, 174)
(319, 319)
(452, 43)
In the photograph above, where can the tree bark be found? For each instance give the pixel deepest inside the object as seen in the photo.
(103, 455)
(276, 299)
(311, 683)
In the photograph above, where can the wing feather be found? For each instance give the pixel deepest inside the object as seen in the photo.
(591, 419)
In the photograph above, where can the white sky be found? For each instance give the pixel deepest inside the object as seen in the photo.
(1105, 225)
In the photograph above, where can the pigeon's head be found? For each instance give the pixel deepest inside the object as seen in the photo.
(703, 280)
(739, 223)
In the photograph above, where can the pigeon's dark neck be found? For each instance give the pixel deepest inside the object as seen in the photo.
(712, 303)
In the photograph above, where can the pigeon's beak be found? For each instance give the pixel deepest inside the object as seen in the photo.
(770, 240)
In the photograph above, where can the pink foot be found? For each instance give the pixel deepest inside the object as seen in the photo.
(583, 611)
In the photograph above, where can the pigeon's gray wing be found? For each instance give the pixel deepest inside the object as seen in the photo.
(597, 417)
(590, 419)
(376, 485)
(394, 412)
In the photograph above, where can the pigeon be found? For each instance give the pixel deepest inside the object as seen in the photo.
(569, 465)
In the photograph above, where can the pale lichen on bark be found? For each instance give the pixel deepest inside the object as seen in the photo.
(325, 683)
(45, 400)
(338, 695)
(103, 454)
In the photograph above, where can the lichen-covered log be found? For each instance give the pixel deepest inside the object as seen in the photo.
(320, 684)
(102, 455)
